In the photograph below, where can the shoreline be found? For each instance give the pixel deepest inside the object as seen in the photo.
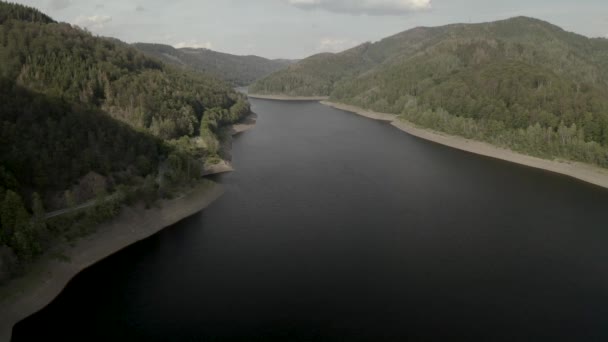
(244, 125)
(214, 169)
(288, 98)
(225, 165)
(584, 172)
(133, 224)
(48, 276)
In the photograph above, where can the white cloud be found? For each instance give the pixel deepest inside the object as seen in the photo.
(335, 45)
(369, 7)
(95, 22)
(59, 4)
(195, 44)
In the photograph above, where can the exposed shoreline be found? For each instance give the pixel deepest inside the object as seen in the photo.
(132, 225)
(246, 124)
(213, 169)
(49, 276)
(585, 172)
(225, 165)
(288, 98)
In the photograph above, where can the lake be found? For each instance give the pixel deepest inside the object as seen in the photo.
(335, 227)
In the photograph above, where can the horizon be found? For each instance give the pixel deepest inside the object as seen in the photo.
(306, 27)
(365, 42)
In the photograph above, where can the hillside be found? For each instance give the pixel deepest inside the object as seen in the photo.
(91, 119)
(520, 83)
(236, 70)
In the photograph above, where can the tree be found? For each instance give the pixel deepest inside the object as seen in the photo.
(11, 207)
(37, 206)
(70, 201)
(39, 221)
(18, 228)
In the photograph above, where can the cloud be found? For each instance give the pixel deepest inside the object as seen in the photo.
(335, 45)
(369, 7)
(140, 8)
(59, 4)
(93, 22)
(195, 44)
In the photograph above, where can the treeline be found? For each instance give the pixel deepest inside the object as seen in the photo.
(92, 121)
(520, 83)
(564, 141)
(63, 61)
(13, 11)
(315, 75)
(457, 46)
(48, 143)
(236, 70)
(502, 103)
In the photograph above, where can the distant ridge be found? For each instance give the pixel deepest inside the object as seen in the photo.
(236, 70)
(520, 83)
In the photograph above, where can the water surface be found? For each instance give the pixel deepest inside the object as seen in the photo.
(337, 227)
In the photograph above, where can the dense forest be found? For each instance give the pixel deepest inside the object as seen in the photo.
(520, 83)
(92, 121)
(236, 70)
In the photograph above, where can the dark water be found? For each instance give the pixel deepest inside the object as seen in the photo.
(336, 227)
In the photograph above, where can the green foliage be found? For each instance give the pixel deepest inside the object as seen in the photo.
(82, 222)
(72, 104)
(8, 263)
(13, 11)
(49, 143)
(64, 62)
(148, 191)
(18, 232)
(546, 142)
(37, 206)
(70, 202)
(7, 180)
(502, 82)
(236, 70)
(316, 75)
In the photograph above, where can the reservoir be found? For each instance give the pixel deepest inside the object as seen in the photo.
(335, 227)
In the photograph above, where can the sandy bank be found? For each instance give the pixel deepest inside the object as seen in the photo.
(225, 165)
(246, 124)
(25, 296)
(585, 172)
(288, 98)
(214, 169)
(362, 112)
(31, 294)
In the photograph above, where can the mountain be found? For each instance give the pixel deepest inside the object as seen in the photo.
(87, 119)
(521, 83)
(10, 11)
(236, 70)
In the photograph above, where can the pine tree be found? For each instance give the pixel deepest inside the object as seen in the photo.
(17, 225)
(37, 206)
(70, 202)
(39, 221)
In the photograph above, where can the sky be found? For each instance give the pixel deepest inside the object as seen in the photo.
(299, 28)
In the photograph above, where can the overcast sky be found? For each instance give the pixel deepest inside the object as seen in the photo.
(299, 28)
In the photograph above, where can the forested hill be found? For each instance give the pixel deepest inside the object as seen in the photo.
(521, 83)
(85, 118)
(237, 70)
(10, 11)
